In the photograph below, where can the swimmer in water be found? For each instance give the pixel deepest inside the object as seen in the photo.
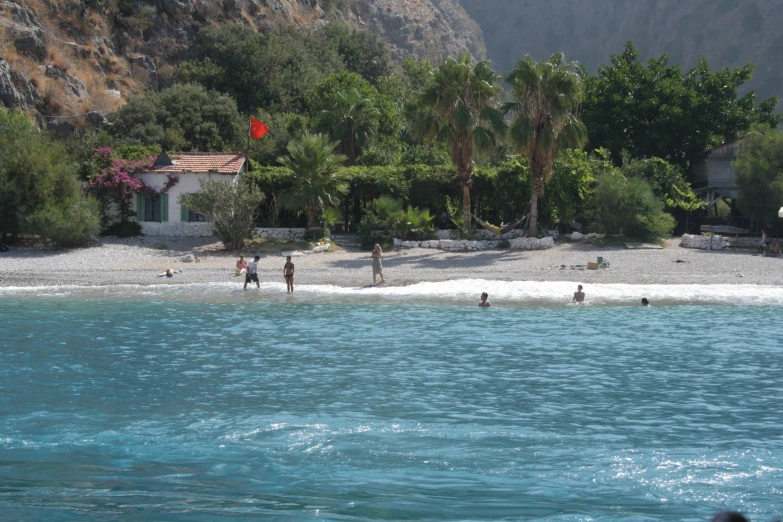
(645, 302)
(579, 296)
(484, 303)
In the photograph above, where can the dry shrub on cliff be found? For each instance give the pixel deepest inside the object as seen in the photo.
(58, 59)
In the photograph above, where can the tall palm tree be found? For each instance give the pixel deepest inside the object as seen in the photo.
(318, 178)
(351, 120)
(546, 118)
(462, 110)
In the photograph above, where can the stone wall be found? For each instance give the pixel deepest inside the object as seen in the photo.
(285, 234)
(458, 245)
(702, 242)
(481, 234)
(178, 228)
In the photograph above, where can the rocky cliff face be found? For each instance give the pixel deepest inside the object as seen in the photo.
(70, 61)
(728, 33)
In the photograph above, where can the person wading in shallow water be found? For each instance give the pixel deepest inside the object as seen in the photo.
(579, 296)
(252, 272)
(288, 273)
(377, 267)
(484, 303)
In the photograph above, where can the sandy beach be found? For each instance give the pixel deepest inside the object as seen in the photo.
(138, 260)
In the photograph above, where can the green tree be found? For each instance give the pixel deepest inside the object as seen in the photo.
(546, 102)
(40, 192)
(182, 117)
(352, 112)
(758, 170)
(667, 181)
(460, 100)
(362, 52)
(230, 207)
(318, 181)
(660, 111)
(629, 207)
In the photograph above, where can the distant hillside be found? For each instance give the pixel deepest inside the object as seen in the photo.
(728, 33)
(78, 59)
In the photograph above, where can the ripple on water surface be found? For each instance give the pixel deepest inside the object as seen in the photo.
(203, 411)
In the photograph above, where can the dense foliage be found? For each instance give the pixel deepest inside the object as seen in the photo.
(759, 174)
(181, 118)
(40, 191)
(659, 110)
(229, 207)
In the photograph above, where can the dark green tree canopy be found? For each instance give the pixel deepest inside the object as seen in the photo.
(658, 110)
(182, 117)
(758, 170)
(362, 52)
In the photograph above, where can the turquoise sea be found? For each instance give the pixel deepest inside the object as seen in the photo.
(201, 403)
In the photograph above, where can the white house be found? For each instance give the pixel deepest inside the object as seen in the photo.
(162, 214)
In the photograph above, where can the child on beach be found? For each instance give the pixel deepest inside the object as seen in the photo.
(241, 265)
(484, 303)
(579, 296)
(169, 273)
(377, 267)
(252, 272)
(288, 273)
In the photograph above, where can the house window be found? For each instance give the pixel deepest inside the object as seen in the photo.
(194, 216)
(152, 207)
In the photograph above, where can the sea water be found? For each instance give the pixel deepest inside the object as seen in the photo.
(202, 403)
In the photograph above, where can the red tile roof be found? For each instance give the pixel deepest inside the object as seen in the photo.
(203, 162)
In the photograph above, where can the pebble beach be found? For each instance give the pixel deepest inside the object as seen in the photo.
(137, 261)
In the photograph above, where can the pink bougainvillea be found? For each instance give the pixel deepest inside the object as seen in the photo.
(114, 182)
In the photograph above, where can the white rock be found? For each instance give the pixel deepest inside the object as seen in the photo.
(397, 242)
(554, 233)
(189, 258)
(576, 236)
(321, 248)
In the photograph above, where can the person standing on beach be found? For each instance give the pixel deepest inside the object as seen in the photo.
(377, 267)
(764, 242)
(288, 273)
(484, 303)
(252, 272)
(579, 296)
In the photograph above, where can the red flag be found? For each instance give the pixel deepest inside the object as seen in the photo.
(257, 129)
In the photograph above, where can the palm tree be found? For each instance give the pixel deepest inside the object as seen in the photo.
(546, 110)
(318, 179)
(461, 101)
(351, 120)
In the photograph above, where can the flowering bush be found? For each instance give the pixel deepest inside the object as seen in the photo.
(115, 184)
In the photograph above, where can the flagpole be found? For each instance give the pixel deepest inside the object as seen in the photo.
(247, 149)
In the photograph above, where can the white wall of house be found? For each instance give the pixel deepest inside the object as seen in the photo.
(188, 183)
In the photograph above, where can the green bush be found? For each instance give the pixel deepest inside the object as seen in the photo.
(629, 207)
(120, 229)
(72, 224)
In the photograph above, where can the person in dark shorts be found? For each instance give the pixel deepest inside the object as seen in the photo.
(252, 272)
(288, 273)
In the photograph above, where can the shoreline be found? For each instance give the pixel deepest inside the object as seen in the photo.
(138, 260)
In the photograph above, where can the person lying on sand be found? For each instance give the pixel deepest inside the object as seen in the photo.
(169, 273)
(579, 296)
(484, 303)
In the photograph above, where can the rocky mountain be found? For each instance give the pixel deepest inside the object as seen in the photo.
(70, 61)
(728, 33)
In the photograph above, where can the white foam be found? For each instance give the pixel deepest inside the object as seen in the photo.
(462, 291)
